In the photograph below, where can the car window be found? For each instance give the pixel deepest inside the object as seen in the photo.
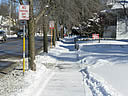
(1, 32)
(21, 31)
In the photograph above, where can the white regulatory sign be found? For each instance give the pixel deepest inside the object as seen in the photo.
(51, 24)
(24, 12)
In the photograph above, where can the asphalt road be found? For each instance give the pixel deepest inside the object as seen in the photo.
(12, 50)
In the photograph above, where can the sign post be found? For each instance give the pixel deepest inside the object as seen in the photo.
(51, 26)
(24, 15)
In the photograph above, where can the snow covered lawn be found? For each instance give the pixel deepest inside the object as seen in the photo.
(107, 67)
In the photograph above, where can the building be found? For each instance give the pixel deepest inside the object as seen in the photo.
(118, 7)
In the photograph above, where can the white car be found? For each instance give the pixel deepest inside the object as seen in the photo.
(3, 36)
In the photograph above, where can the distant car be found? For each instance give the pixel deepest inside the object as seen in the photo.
(3, 36)
(20, 34)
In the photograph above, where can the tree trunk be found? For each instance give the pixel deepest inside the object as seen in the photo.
(31, 38)
(57, 33)
(62, 32)
(54, 37)
(45, 30)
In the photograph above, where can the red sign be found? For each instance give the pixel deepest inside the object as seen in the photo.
(51, 24)
(24, 12)
(95, 36)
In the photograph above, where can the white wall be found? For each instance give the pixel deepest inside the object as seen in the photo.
(122, 29)
(110, 32)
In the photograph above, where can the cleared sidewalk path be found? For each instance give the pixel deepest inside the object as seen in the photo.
(67, 81)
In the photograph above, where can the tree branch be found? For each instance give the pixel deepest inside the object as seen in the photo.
(21, 2)
(39, 16)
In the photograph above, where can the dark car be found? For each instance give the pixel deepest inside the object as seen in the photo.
(3, 36)
(20, 34)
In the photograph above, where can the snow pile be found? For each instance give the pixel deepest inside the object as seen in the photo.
(11, 36)
(32, 80)
(18, 84)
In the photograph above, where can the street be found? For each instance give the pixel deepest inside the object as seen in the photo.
(12, 50)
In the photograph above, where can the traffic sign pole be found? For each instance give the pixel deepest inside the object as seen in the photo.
(24, 15)
(24, 50)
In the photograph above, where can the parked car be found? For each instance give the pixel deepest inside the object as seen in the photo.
(20, 34)
(3, 36)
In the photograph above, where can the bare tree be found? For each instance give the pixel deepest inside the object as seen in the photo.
(64, 12)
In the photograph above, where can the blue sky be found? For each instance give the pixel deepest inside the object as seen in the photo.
(4, 1)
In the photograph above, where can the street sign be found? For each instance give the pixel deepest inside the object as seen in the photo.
(95, 36)
(51, 24)
(24, 12)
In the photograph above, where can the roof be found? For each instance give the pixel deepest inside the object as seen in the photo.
(119, 6)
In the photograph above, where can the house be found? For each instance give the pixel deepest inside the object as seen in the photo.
(120, 29)
(120, 7)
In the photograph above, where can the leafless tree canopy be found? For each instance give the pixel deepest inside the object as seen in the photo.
(67, 12)
(4, 10)
(70, 12)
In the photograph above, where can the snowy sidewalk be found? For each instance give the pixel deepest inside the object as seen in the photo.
(67, 80)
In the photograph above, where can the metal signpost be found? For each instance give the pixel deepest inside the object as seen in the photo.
(24, 15)
(51, 26)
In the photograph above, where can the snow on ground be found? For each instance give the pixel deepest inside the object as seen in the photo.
(107, 66)
(11, 36)
(103, 66)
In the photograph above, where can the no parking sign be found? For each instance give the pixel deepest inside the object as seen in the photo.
(24, 12)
